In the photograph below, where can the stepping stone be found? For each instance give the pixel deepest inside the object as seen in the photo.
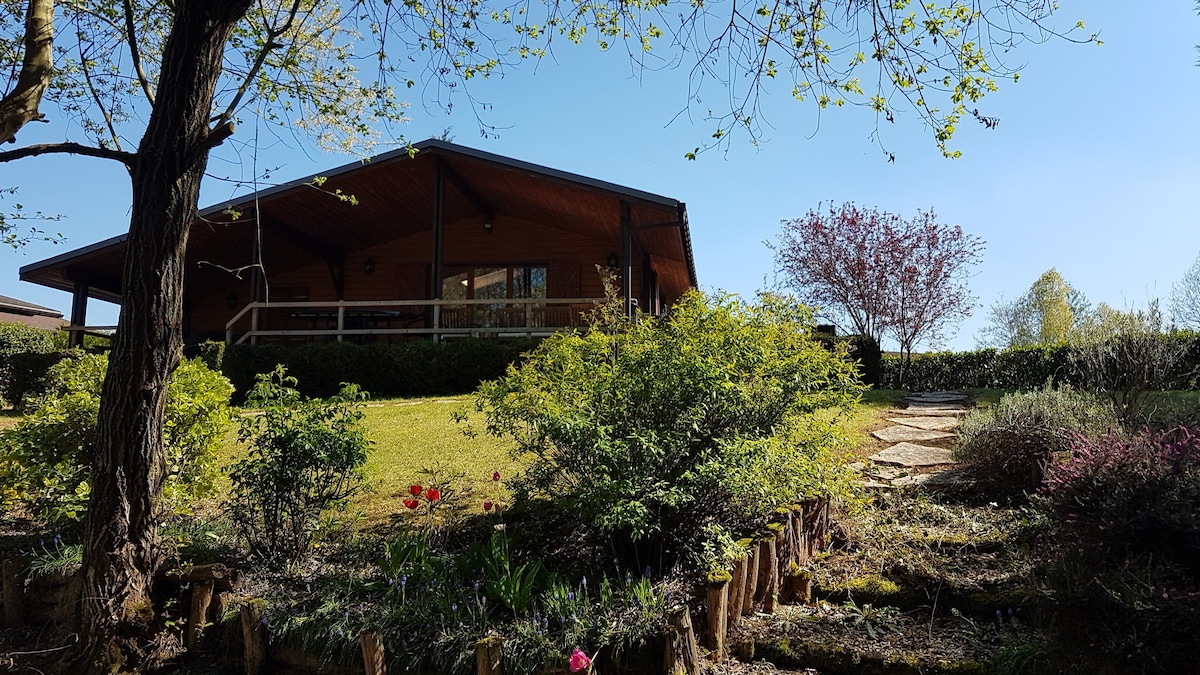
(939, 480)
(886, 472)
(900, 433)
(911, 454)
(933, 410)
(929, 423)
(937, 397)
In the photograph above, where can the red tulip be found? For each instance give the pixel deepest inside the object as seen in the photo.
(495, 475)
(487, 506)
(433, 494)
(411, 503)
(414, 490)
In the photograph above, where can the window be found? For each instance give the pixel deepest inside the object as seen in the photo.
(491, 283)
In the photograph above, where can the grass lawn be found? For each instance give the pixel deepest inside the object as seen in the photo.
(8, 418)
(416, 441)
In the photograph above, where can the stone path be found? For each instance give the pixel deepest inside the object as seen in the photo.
(923, 417)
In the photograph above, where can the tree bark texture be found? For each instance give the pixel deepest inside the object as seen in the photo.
(20, 106)
(122, 552)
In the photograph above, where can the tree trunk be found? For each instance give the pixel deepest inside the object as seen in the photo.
(122, 553)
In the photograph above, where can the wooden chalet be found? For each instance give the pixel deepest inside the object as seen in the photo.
(447, 241)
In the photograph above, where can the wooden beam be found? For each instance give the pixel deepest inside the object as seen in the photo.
(485, 209)
(326, 250)
(79, 300)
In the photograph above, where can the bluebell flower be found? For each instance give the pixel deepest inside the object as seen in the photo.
(646, 572)
(570, 595)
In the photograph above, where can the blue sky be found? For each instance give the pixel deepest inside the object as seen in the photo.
(1093, 168)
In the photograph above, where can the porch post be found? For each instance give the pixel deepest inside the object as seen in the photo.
(627, 258)
(256, 275)
(79, 300)
(438, 233)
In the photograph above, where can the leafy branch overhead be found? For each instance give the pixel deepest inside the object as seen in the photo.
(299, 64)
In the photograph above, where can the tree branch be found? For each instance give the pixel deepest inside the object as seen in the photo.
(269, 45)
(20, 106)
(126, 158)
(135, 53)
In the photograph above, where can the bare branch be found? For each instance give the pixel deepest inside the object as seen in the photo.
(126, 158)
(135, 53)
(20, 106)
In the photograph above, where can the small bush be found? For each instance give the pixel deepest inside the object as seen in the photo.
(653, 431)
(45, 460)
(306, 456)
(17, 339)
(1008, 446)
(1133, 369)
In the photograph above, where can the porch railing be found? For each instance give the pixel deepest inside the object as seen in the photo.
(437, 319)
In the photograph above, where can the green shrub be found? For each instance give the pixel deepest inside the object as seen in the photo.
(1133, 369)
(45, 459)
(306, 456)
(1008, 446)
(650, 430)
(16, 338)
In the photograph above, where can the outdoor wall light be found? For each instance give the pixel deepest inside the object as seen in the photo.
(613, 261)
(487, 226)
(369, 266)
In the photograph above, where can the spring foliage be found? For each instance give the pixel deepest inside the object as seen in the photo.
(653, 428)
(45, 459)
(306, 456)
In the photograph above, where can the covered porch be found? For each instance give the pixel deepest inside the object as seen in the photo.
(441, 242)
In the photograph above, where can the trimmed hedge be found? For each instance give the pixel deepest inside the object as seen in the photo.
(861, 348)
(385, 370)
(1026, 367)
(17, 339)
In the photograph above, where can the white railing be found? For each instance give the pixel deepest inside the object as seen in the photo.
(434, 318)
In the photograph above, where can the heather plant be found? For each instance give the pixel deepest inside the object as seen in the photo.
(306, 457)
(652, 430)
(45, 460)
(1008, 446)
(1125, 547)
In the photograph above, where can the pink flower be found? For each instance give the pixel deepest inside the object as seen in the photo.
(579, 661)
(495, 476)
(487, 506)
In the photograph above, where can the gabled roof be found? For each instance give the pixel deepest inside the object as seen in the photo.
(394, 194)
(13, 306)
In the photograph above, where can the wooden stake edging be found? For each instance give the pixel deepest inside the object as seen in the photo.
(768, 576)
(371, 642)
(202, 593)
(717, 604)
(751, 581)
(681, 656)
(737, 590)
(487, 655)
(801, 536)
(14, 592)
(254, 638)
